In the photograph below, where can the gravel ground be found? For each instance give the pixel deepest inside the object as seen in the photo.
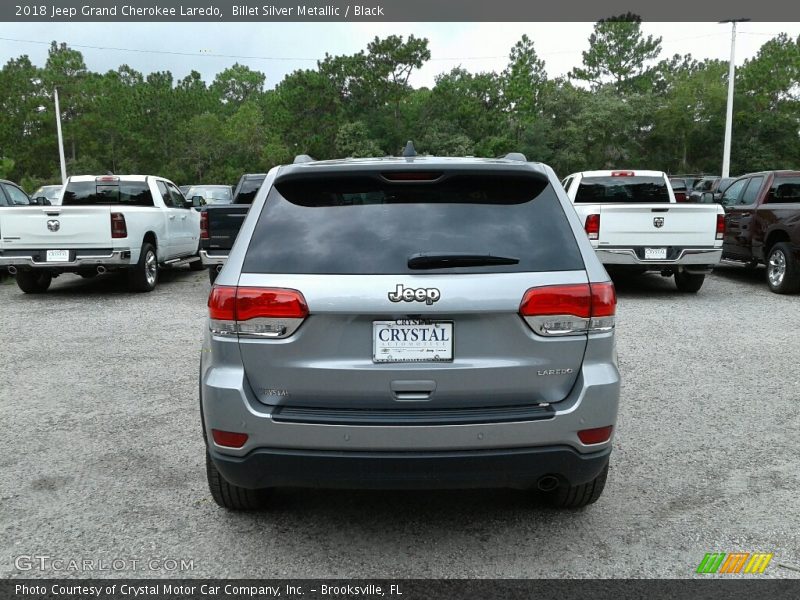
(101, 455)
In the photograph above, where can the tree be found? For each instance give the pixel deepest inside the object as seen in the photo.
(238, 84)
(523, 83)
(353, 140)
(618, 53)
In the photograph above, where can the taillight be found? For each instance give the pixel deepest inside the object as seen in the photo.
(592, 226)
(118, 227)
(255, 312)
(229, 439)
(203, 225)
(598, 435)
(720, 227)
(570, 309)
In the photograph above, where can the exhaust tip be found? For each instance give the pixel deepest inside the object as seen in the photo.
(219, 268)
(547, 483)
(12, 269)
(101, 269)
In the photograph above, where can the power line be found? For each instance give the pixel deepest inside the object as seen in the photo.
(309, 59)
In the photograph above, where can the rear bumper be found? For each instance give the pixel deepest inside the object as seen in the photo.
(683, 256)
(513, 467)
(211, 260)
(78, 258)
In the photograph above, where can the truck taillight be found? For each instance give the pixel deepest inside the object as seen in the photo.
(118, 227)
(254, 312)
(570, 309)
(720, 227)
(203, 225)
(592, 226)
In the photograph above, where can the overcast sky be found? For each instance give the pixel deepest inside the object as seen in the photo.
(278, 49)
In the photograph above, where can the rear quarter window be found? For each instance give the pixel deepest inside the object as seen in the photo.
(126, 193)
(784, 190)
(366, 225)
(609, 190)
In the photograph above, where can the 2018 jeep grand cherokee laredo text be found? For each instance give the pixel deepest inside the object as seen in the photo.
(414, 322)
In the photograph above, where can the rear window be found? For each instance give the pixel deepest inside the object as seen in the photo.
(211, 194)
(603, 190)
(247, 190)
(366, 225)
(784, 190)
(678, 184)
(128, 193)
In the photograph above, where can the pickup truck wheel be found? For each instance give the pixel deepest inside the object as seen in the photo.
(689, 282)
(578, 496)
(33, 282)
(143, 277)
(232, 496)
(212, 274)
(783, 271)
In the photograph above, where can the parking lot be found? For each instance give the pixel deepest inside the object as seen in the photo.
(102, 455)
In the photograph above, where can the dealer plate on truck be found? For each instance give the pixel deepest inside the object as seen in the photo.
(655, 253)
(412, 341)
(58, 256)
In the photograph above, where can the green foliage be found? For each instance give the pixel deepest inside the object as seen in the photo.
(353, 140)
(624, 106)
(6, 165)
(618, 53)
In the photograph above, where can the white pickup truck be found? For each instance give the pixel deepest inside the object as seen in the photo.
(111, 222)
(634, 224)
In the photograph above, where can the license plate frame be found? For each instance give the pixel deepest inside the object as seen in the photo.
(655, 253)
(56, 255)
(412, 351)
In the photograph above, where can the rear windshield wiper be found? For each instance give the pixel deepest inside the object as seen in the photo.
(457, 259)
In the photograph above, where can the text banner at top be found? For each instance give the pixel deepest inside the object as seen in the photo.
(394, 10)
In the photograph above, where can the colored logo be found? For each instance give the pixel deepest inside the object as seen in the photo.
(735, 562)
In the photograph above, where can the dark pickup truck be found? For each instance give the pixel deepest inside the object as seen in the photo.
(762, 225)
(219, 224)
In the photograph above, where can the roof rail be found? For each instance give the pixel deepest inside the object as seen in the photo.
(302, 158)
(518, 156)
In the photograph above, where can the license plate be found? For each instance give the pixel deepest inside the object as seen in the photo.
(655, 253)
(412, 341)
(58, 256)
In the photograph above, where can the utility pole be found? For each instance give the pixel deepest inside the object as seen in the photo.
(60, 139)
(726, 153)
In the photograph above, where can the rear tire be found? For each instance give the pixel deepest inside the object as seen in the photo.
(34, 282)
(689, 283)
(143, 277)
(783, 271)
(578, 496)
(212, 274)
(231, 496)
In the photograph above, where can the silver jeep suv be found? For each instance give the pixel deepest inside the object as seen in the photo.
(410, 322)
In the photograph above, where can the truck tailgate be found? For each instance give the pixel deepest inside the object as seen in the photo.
(56, 227)
(684, 225)
(224, 223)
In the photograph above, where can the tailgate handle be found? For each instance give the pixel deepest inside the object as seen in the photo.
(409, 390)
